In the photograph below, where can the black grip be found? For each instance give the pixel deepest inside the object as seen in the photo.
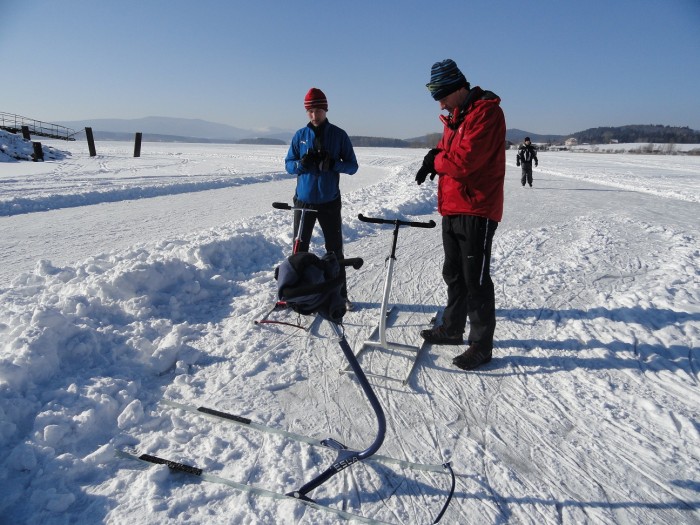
(173, 465)
(355, 262)
(376, 220)
(224, 415)
(372, 219)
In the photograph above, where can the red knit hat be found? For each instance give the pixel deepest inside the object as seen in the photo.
(315, 99)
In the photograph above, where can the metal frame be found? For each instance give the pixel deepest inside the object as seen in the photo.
(347, 457)
(385, 310)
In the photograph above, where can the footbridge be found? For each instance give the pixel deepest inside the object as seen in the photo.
(19, 124)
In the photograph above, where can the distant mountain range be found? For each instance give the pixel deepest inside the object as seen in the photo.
(168, 129)
(518, 135)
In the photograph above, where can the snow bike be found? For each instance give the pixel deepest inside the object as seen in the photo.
(385, 311)
(319, 292)
(296, 244)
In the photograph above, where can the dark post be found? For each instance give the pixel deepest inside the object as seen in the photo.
(25, 133)
(38, 152)
(91, 141)
(137, 144)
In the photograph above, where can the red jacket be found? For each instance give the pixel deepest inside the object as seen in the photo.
(472, 163)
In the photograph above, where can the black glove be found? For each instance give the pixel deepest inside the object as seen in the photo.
(327, 163)
(310, 161)
(535, 163)
(428, 167)
(517, 161)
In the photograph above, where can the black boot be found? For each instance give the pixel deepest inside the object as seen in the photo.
(473, 357)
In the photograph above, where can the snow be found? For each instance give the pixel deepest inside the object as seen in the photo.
(125, 282)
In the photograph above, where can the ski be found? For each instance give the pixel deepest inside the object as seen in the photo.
(244, 487)
(329, 443)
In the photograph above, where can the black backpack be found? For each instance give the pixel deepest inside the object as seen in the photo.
(310, 285)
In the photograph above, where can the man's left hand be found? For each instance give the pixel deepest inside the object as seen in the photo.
(428, 167)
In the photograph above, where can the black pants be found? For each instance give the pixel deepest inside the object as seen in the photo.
(526, 173)
(466, 240)
(330, 221)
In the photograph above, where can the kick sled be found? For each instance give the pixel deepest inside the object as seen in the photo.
(378, 338)
(309, 285)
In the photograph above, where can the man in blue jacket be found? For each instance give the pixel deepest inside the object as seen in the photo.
(318, 154)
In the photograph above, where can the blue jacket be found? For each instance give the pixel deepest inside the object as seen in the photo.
(320, 187)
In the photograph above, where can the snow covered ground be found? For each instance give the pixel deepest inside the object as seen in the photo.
(125, 282)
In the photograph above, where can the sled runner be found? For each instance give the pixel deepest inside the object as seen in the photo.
(385, 311)
(296, 243)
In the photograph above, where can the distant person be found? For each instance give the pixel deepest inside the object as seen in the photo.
(470, 161)
(318, 154)
(526, 154)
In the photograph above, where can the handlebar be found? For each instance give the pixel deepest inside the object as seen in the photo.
(285, 206)
(397, 222)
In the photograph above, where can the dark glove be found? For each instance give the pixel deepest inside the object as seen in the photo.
(517, 162)
(327, 163)
(310, 161)
(428, 167)
(535, 163)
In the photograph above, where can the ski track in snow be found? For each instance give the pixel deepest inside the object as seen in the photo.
(587, 414)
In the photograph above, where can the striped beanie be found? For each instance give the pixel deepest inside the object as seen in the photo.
(445, 78)
(315, 99)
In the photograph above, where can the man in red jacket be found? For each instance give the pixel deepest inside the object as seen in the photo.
(470, 161)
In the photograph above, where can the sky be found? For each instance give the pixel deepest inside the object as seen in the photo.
(558, 66)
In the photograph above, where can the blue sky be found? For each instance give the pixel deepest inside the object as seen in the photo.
(558, 66)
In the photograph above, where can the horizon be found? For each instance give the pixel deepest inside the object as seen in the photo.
(279, 131)
(557, 69)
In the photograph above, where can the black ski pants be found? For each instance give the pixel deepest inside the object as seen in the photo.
(526, 173)
(331, 222)
(466, 240)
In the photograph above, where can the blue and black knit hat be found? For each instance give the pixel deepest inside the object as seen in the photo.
(445, 78)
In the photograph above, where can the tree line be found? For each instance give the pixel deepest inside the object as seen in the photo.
(639, 134)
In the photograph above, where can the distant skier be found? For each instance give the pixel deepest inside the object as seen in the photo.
(470, 160)
(527, 153)
(318, 154)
